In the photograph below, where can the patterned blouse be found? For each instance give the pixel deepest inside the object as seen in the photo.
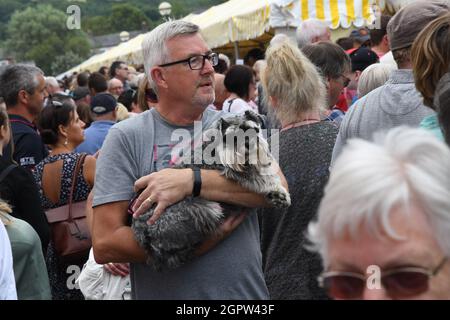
(82, 188)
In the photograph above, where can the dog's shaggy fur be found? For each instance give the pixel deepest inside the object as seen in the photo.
(172, 240)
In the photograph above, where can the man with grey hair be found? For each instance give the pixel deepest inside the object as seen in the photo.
(23, 89)
(312, 31)
(389, 237)
(137, 154)
(397, 102)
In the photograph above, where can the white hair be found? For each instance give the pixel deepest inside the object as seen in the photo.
(259, 65)
(52, 82)
(310, 29)
(374, 76)
(154, 46)
(400, 167)
(225, 58)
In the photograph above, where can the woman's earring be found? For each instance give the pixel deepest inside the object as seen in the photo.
(66, 142)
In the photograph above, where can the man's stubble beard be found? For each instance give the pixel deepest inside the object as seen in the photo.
(203, 101)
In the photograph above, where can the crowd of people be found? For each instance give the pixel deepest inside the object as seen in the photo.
(362, 134)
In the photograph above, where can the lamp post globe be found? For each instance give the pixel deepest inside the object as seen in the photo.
(124, 36)
(165, 9)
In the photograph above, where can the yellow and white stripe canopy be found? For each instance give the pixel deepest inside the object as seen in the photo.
(250, 22)
(338, 13)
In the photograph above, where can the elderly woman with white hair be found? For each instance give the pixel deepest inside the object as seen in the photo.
(296, 93)
(389, 237)
(374, 76)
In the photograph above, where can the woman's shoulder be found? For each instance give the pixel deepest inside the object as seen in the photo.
(18, 174)
(236, 105)
(22, 234)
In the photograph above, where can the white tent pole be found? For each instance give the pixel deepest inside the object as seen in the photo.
(236, 51)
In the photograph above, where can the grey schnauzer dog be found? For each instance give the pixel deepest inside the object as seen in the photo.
(240, 153)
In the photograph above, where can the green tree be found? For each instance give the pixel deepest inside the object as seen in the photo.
(96, 26)
(41, 35)
(127, 17)
(65, 62)
(7, 8)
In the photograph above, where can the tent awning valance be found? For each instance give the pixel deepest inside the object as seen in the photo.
(338, 13)
(235, 20)
(252, 21)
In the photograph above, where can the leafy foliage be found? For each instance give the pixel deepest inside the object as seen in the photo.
(40, 34)
(96, 13)
(35, 30)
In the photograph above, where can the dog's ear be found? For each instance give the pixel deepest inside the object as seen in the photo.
(252, 116)
(223, 125)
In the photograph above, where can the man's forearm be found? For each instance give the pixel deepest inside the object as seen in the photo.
(112, 240)
(121, 246)
(216, 187)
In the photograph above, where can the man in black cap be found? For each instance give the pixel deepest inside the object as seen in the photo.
(361, 58)
(103, 108)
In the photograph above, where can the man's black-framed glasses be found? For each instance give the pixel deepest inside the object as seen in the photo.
(196, 62)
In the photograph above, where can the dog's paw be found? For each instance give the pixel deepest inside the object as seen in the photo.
(279, 199)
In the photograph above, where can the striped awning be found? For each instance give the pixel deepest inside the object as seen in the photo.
(234, 20)
(338, 13)
(251, 22)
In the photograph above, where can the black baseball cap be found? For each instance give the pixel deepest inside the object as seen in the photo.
(103, 103)
(362, 58)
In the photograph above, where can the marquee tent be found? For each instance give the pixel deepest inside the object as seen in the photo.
(251, 24)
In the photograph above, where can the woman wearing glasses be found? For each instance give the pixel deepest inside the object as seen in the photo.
(62, 130)
(388, 238)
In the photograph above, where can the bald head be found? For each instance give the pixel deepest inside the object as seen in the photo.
(115, 87)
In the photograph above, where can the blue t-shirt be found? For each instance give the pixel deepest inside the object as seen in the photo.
(94, 136)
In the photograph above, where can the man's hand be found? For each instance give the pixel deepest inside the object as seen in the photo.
(118, 269)
(228, 226)
(163, 188)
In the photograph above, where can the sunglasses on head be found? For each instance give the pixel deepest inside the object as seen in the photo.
(54, 103)
(398, 283)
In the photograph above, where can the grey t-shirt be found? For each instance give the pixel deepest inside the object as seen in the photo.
(232, 270)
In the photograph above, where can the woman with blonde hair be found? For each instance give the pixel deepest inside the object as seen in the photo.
(431, 60)
(297, 94)
(146, 97)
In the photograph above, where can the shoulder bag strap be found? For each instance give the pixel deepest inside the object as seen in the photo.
(5, 172)
(80, 161)
(229, 104)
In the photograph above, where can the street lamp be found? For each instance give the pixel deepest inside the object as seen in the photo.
(124, 36)
(165, 9)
